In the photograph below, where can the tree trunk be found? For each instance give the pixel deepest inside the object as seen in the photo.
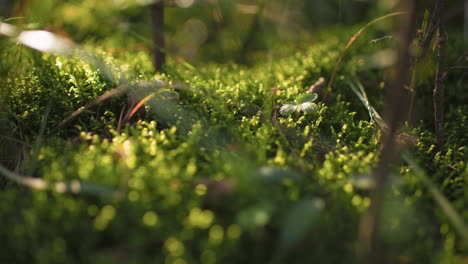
(396, 107)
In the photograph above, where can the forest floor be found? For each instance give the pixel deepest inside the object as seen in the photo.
(107, 162)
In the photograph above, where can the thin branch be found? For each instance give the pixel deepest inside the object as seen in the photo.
(118, 91)
(444, 76)
(350, 42)
(380, 39)
(109, 94)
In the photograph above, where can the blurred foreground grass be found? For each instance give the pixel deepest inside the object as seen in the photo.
(208, 171)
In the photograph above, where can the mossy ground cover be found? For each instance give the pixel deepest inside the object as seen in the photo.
(209, 170)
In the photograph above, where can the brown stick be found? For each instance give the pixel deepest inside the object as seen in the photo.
(438, 93)
(157, 33)
(396, 107)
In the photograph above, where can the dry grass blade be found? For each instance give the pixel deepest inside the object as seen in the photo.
(138, 106)
(358, 89)
(351, 41)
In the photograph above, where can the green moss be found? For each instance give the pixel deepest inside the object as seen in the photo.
(211, 172)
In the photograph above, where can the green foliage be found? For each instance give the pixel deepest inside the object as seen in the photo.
(210, 172)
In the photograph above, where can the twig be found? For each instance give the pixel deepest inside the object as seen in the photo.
(350, 42)
(379, 39)
(109, 94)
(444, 76)
(120, 90)
(438, 93)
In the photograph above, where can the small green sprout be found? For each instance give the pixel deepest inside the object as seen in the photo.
(303, 102)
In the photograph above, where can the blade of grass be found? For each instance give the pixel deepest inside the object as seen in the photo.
(39, 139)
(14, 140)
(453, 216)
(120, 122)
(361, 94)
(429, 31)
